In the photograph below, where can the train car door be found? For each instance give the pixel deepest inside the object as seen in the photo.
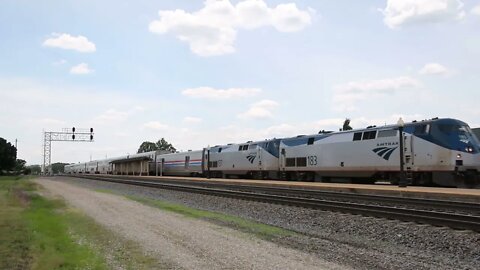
(281, 159)
(162, 166)
(259, 156)
(408, 150)
(187, 162)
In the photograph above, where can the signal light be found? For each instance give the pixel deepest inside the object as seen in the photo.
(73, 137)
(73, 129)
(91, 137)
(91, 130)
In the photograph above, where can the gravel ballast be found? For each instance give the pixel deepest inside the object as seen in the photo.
(355, 241)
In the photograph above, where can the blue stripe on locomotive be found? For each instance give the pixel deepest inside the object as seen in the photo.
(445, 138)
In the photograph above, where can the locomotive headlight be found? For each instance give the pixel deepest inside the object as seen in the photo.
(459, 155)
(469, 149)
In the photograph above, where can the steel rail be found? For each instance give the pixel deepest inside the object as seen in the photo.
(445, 205)
(436, 218)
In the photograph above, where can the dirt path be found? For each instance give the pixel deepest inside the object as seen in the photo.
(182, 242)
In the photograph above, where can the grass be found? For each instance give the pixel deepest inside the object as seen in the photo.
(38, 233)
(34, 233)
(261, 230)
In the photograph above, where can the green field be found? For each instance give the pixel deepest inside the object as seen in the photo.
(40, 233)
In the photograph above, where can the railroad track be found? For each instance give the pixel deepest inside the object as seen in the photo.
(445, 213)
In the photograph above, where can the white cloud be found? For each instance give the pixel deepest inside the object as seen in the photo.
(192, 120)
(111, 115)
(212, 93)
(347, 94)
(81, 69)
(260, 110)
(434, 69)
(476, 10)
(68, 42)
(155, 125)
(212, 29)
(403, 12)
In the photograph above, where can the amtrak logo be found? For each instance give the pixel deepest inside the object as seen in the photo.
(251, 157)
(384, 152)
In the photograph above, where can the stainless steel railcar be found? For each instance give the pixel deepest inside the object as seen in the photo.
(252, 159)
(179, 164)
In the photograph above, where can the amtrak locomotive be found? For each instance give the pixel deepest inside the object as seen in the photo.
(441, 152)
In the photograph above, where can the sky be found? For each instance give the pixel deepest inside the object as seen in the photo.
(201, 73)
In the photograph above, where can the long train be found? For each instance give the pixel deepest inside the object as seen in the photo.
(441, 152)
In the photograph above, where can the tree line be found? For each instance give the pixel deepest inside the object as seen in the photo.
(9, 164)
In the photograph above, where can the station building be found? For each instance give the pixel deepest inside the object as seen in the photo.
(136, 164)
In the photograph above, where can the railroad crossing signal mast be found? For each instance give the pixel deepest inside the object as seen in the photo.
(66, 135)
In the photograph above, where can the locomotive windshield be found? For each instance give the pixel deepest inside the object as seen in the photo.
(457, 136)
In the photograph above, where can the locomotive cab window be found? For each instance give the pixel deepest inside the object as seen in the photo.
(369, 135)
(357, 136)
(421, 129)
(252, 146)
(310, 141)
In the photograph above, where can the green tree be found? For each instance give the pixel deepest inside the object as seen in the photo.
(33, 169)
(162, 144)
(58, 167)
(346, 124)
(20, 165)
(8, 155)
(147, 147)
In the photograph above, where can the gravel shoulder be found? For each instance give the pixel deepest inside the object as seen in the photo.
(352, 240)
(183, 243)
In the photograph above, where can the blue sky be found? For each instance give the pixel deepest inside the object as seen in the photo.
(210, 72)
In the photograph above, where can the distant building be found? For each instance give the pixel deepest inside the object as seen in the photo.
(477, 132)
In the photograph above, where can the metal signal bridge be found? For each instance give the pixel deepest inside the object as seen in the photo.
(66, 135)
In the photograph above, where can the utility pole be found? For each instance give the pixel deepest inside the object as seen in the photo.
(66, 135)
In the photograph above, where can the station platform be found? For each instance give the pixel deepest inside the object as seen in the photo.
(437, 193)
